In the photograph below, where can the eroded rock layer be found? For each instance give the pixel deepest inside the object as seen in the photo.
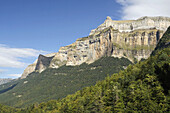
(132, 39)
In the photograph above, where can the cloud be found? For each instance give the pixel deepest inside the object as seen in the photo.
(13, 57)
(2, 70)
(15, 75)
(133, 9)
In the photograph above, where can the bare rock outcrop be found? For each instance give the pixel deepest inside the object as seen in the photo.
(37, 65)
(29, 70)
(132, 39)
(42, 63)
(159, 22)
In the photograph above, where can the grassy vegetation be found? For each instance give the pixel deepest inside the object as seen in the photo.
(136, 47)
(58, 83)
(83, 38)
(143, 87)
(137, 89)
(164, 42)
(72, 46)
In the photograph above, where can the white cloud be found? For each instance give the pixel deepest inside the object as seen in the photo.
(15, 75)
(2, 70)
(13, 57)
(133, 9)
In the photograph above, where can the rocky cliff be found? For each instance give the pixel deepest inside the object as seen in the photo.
(39, 65)
(133, 39)
(161, 23)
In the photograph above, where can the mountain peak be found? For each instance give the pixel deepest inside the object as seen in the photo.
(158, 22)
(108, 18)
(132, 39)
(154, 17)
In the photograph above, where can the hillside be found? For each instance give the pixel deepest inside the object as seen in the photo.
(58, 83)
(164, 42)
(105, 51)
(143, 87)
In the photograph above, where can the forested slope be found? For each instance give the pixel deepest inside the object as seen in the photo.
(143, 87)
(58, 83)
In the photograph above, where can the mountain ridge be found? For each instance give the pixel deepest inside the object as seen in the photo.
(57, 83)
(142, 87)
(130, 25)
(109, 40)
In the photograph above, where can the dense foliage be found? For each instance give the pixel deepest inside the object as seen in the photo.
(164, 42)
(143, 87)
(7, 109)
(58, 83)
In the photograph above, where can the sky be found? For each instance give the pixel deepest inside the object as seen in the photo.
(32, 27)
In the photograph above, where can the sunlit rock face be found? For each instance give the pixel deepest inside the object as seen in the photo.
(132, 39)
(40, 64)
(161, 23)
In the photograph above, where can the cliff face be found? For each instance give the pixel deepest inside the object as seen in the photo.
(164, 42)
(39, 65)
(161, 23)
(133, 39)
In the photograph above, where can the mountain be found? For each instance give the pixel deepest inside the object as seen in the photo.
(132, 39)
(164, 42)
(137, 89)
(4, 80)
(142, 87)
(109, 48)
(58, 83)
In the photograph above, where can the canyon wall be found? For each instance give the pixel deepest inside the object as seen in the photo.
(132, 39)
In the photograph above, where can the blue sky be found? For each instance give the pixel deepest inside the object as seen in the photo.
(31, 27)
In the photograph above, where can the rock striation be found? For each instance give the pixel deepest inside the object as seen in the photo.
(161, 23)
(39, 65)
(132, 39)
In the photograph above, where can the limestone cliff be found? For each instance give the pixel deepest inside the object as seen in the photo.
(133, 39)
(39, 65)
(161, 23)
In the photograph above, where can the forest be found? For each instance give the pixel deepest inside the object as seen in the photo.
(58, 83)
(142, 87)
